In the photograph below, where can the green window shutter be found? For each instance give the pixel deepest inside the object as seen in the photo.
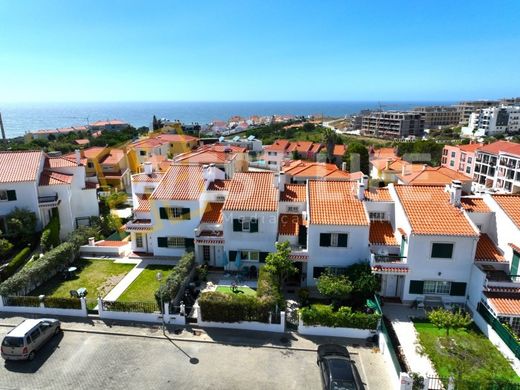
(263, 256)
(162, 212)
(189, 243)
(442, 251)
(458, 289)
(232, 255)
(11, 195)
(237, 225)
(343, 240)
(253, 225)
(162, 242)
(416, 287)
(186, 213)
(324, 239)
(514, 263)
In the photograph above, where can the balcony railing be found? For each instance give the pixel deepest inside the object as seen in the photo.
(375, 258)
(48, 200)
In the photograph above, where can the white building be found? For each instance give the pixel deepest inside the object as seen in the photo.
(493, 120)
(497, 168)
(41, 184)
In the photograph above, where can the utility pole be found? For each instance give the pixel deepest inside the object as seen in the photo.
(4, 139)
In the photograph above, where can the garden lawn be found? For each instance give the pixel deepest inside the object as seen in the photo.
(97, 276)
(143, 288)
(470, 354)
(245, 290)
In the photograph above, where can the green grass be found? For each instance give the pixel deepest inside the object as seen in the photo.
(467, 353)
(97, 276)
(144, 286)
(244, 290)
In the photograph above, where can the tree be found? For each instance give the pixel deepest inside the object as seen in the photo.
(5, 247)
(279, 264)
(446, 319)
(330, 138)
(364, 282)
(154, 123)
(335, 287)
(357, 158)
(21, 224)
(309, 126)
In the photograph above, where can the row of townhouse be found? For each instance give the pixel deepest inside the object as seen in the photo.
(424, 241)
(103, 125)
(34, 181)
(494, 166)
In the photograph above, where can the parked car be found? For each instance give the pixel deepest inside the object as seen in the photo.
(22, 342)
(338, 371)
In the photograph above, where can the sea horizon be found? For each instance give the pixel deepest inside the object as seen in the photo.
(22, 117)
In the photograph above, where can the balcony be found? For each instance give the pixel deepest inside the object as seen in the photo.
(48, 201)
(497, 278)
(386, 259)
(299, 253)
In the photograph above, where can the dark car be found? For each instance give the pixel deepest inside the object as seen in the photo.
(338, 371)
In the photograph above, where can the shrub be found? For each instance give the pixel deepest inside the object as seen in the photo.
(221, 307)
(269, 289)
(336, 287)
(116, 199)
(16, 262)
(62, 303)
(324, 315)
(5, 247)
(51, 234)
(21, 224)
(169, 290)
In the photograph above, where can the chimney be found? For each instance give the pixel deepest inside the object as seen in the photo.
(78, 156)
(387, 165)
(455, 192)
(344, 166)
(365, 181)
(91, 241)
(281, 181)
(424, 167)
(205, 171)
(361, 191)
(212, 172)
(148, 169)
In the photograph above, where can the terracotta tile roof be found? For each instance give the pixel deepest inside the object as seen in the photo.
(219, 185)
(487, 250)
(313, 170)
(375, 194)
(289, 224)
(294, 193)
(514, 247)
(339, 175)
(402, 232)
(114, 157)
(474, 205)
(335, 203)
(213, 213)
(180, 182)
(503, 303)
(223, 148)
(439, 176)
(316, 148)
(470, 148)
(430, 213)
(388, 269)
(143, 202)
(381, 233)
(93, 152)
(109, 122)
(19, 166)
(82, 141)
(143, 177)
(252, 191)
(301, 146)
(177, 137)
(111, 243)
(51, 178)
(384, 153)
(61, 162)
(511, 206)
(501, 146)
(205, 157)
(71, 157)
(278, 146)
(89, 185)
(148, 143)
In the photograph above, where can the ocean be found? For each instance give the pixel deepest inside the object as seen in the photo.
(19, 118)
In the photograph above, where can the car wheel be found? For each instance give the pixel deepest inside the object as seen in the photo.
(31, 355)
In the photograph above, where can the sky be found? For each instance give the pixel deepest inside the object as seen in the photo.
(266, 50)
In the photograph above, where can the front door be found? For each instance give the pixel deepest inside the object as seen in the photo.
(391, 286)
(206, 254)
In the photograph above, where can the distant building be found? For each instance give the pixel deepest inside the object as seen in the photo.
(497, 167)
(465, 109)
(493, 120)
(460, 158)
(393, 124)
(282, 150)
(438, 116)
(109, 125)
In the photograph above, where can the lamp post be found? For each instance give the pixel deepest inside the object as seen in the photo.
(159, 277)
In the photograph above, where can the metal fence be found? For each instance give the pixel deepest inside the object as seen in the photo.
(497, 326)
(131, 307)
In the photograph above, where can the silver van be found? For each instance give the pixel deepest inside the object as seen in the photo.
(22, 342)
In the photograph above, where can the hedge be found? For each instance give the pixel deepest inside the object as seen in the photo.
(269, 288)
(17, 261)
(222, 307)
(175, 280)
(323, 315)
(42, 269)
(62, 303)
(51, 234)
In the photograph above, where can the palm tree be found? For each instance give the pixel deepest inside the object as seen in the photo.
(329, 139)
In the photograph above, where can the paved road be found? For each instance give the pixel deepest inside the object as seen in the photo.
(93, 361)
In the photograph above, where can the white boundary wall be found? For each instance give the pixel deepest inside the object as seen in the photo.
(335, 332)
(169, 319)
(45, 310)
(244, 325)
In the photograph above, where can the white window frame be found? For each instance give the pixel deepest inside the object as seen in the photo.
(246, 224)
(221, 198)
(437, 287)
(334, 239)
(174, 212)
(139, 241)
(3, 196)
(293, 209)
(251, 255)
(377, 215)
(175, 242)
(442, 258)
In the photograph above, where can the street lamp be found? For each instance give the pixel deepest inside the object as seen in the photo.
(159, 277)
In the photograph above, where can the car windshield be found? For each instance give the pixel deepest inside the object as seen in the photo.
(342, 385)
(13, 342)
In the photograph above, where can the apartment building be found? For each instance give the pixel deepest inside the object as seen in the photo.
(438, 116)
(42, 184)
(492, 121)
(393, 124)
(466, 108)
(497, 167)
(460, 158)
(282, 150)
(109, 125)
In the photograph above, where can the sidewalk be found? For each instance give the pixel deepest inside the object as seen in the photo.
(399, 315)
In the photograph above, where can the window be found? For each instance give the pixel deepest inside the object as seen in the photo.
(174, 213)
(470, 160)
(175, 242)
(442, 251)
(271, 153)
(293, 209)
(271, 162)
(334, 239)
(250, 255)
(90, 164)
(436, 287)
(142, 153)
(221, 198)
(34, 334)
(452, 163)
(453, 154)
(249, 225)
(3, 196)
(148, 190)
(376, 215)
(139, 240)
(468, 169)
(318, 271)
